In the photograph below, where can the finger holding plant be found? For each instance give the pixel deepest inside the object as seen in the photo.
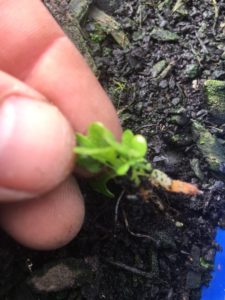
(99, 149)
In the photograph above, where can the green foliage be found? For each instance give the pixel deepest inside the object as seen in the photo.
(99, 149)
(98, 35)
(205, 264)
(119, 86)
(97, 38)
(99, 152)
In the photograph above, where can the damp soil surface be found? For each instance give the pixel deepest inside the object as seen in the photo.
(145, 243)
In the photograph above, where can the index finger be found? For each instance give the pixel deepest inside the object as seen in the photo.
(35, 49)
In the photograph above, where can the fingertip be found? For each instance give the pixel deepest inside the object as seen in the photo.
(36, 147)
(79, 91)
(48, 222)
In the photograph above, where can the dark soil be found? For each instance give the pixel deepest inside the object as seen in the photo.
(144, 244)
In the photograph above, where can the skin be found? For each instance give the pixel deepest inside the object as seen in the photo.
(47, 92)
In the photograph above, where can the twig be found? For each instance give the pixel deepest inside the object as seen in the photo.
(139, 235)
(131, 269)
(117, 206)
(110, 26)
(139, 10)
(80, 8)
(135, 271)
(166, 71)
(216, 11)
(145, 126)
(182, 92)
(205, 50)
(177, 5)
(197, 56)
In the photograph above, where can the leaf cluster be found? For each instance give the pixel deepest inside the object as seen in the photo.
(99, 149)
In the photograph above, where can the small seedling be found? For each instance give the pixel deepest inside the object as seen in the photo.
(99, 150)
(119, 85)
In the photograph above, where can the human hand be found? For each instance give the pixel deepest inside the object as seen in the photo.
(46, 93)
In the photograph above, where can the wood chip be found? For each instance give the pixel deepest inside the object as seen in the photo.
(110, 26)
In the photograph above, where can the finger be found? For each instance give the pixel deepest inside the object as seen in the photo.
(36, 142)
(48, 222)
(49, 62)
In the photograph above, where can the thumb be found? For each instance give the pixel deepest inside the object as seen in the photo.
(36, 142)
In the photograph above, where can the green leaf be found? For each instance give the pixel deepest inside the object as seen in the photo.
(94, 151)
(99, 184)
(89, 164)
(99, 149)
(83, 140)
(100, 135)
(127, 137)
(134, 145)
(122, 169)
(139, 144)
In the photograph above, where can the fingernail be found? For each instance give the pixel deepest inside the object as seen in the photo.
(7, 125)
(14, 195)
(7, 121)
